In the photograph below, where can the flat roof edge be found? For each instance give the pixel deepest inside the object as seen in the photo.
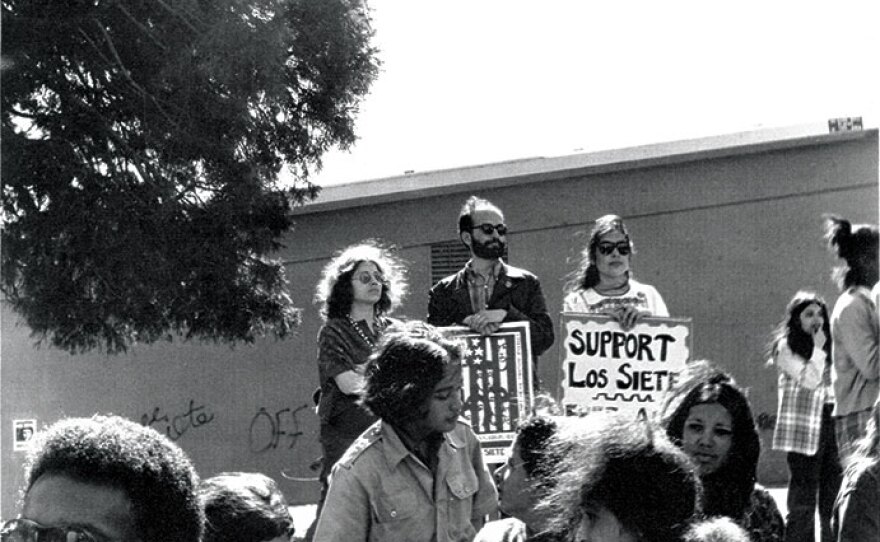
(537, 169)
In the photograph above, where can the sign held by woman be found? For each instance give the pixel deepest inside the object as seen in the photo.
(605, 367)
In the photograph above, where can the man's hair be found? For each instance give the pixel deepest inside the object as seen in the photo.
(244, 507)
(473, 204)
(856, 244)
(402, 373)
(533, 436)
(629, 467)
(155, 474)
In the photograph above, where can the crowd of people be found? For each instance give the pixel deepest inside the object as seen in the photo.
(399, 462)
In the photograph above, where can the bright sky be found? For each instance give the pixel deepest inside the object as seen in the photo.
(466, 82)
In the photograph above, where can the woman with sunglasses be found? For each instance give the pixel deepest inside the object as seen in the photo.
(358, 289)
(603, 284)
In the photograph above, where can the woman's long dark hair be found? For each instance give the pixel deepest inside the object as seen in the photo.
(587, 274)
(857, 246)
(789, 329)
(727, 491)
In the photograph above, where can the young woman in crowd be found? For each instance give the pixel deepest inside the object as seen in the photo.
(244, 507)
(854, 329)
(709, 417)
(359, 288)
(621, 480)
(801, 352)
(603, 283)
(417, 474)
(857, 510)
(522, 482)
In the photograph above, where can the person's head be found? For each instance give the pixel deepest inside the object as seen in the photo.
(607, 254)
(805, 314)
(113, 478)
(414, 379)
(717, 529)
(367, 273)
(528, 472)
(710, 418)
(622, 480)
(244, 507)
(482, 229)
(855, 244)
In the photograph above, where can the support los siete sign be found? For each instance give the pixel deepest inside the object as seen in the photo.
(607, 368)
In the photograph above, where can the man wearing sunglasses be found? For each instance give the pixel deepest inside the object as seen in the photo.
(487, 291)
(107, 479)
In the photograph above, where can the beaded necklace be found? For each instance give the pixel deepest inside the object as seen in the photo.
(370, 342)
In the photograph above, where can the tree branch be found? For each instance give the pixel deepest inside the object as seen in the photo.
(143, 28)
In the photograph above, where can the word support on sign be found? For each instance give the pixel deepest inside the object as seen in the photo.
(607, 368)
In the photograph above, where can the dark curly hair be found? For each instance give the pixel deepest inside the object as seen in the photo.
(790, 330)
(533, 436)
(335, 291)
(587, 274)
(857, 246)
(727, 491)
(155, 474)
(405, 368)
(244, 507)
(629, 467)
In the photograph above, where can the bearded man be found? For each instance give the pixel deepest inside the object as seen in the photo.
(487, 292)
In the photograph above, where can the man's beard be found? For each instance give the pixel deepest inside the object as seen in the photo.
(490, 250)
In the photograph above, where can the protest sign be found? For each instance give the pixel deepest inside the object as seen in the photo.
(498, 393)
(605, 368)
(23, 431)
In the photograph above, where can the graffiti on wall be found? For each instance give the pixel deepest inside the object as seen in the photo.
(270, 430)
(176, 425)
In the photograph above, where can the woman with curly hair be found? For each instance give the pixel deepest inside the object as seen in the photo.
(418, 473)
(709, 417)
(359, 288)
(804, 428)
(604, 284)
(855, 331)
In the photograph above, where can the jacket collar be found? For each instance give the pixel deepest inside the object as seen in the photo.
(395, 450)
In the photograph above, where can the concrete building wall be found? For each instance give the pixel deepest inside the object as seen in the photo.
(727, 237)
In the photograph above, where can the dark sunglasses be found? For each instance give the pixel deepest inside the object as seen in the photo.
(623, 248)
(366, 277)
(489, 228)
(25, 530)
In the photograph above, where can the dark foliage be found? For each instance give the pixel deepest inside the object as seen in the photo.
(141, 143)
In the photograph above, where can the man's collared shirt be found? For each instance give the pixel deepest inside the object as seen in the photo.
(380, 490)
(480, 286)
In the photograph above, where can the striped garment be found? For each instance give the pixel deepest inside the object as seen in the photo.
(849, 430)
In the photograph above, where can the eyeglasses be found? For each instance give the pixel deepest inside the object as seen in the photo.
(488, 229)
(623, 248)
(365, 277)
(25, 530)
